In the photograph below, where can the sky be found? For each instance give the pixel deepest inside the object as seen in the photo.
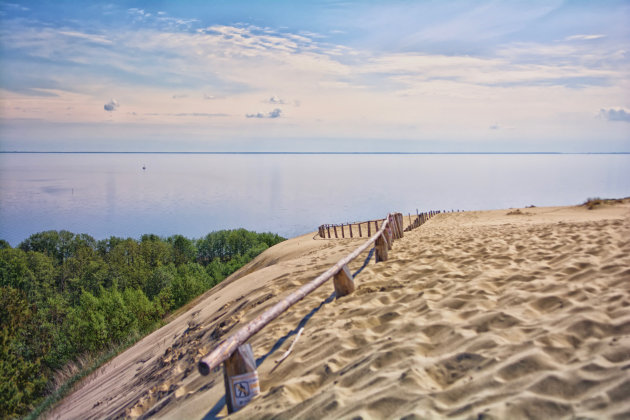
(365, 76)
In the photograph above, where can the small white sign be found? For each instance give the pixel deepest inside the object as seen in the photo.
(244, 388)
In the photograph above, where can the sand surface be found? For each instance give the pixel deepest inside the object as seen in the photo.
(495, 314)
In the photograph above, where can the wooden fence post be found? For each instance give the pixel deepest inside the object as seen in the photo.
(395, 226)
(369, 230)
(391, 227)
(381, 248)
(387, 235)
(360, 234)
(335, 228)
(344, 284)
(350, 226)
(240, 378)
(343, 235)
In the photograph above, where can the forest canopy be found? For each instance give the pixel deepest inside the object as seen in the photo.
(65, 295)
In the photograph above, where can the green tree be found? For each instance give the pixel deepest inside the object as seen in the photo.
(59, 245)
(20, 354)
(141, 308)
(155, 252)
(184, 249)
(190, 282)
(160, 279)
(15, 271)
(85, 326)
(64, 294)
(128, 268)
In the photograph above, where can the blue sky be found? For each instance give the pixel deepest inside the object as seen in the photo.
(452, 76)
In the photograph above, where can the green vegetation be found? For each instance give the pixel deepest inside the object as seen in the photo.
(66, 296)
(594, 202)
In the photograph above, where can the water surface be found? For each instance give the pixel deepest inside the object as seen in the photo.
(290, 194)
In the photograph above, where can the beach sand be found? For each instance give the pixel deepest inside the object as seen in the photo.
(491, 314)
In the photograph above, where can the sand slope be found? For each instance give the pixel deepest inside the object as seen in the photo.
(475, 315)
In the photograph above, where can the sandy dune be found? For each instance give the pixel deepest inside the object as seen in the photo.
(497, 314)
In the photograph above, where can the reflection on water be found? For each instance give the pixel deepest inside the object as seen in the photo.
(111, 194)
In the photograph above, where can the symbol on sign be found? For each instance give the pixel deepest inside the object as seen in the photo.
(241, 389)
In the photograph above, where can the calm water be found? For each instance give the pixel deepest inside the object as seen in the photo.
(193, 194)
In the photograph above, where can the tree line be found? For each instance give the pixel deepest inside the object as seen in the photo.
(65, 295)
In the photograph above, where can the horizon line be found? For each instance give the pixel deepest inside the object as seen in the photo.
(304, 153)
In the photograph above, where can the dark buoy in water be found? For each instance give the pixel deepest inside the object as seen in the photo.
(144, 168)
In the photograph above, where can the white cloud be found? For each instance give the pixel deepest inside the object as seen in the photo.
(615, 114)
(276, 100)
(112, 105)
(344, 91)
(272, 114)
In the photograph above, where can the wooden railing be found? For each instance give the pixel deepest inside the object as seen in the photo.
(239, 373)
(365, 229)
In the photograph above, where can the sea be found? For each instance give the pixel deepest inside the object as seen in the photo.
(192, 194)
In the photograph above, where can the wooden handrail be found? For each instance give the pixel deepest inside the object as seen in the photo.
(224, 350)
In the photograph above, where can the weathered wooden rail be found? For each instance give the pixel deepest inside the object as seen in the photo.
(239, 373)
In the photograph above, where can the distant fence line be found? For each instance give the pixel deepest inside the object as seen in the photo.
(421, 218)
(354, 230)
(364, 229)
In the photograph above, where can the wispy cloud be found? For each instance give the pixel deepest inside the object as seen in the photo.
(199, 114)
(584, 37)
(272, 114)
(98, 39)
(443, 70)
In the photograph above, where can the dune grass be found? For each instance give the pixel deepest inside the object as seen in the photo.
(74, 372)
(595, 202)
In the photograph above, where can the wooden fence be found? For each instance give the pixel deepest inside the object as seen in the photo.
(239, 366)
(420, 219)
(365, 229)
(350, 230)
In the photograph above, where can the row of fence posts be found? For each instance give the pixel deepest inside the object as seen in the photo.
(339, 231)
(420, 219)
(239, 365)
